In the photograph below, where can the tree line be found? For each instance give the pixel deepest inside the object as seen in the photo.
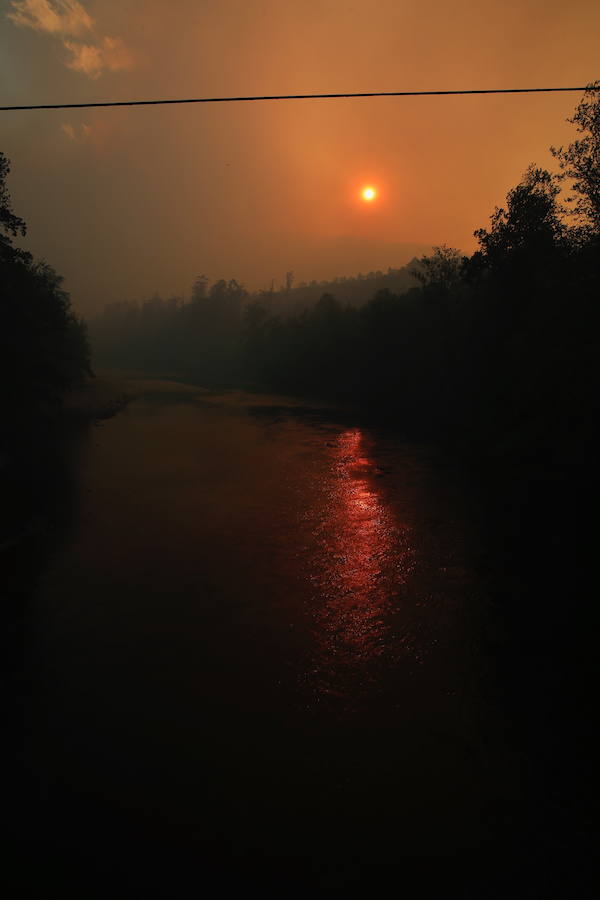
(203, 335)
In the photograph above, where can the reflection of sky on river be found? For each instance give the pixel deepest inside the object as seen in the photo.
(363, 557)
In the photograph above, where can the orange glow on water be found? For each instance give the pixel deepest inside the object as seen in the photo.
(364, 558)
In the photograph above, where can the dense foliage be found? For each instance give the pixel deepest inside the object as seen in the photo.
(43, 345)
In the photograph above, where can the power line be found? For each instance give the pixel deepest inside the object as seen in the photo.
(291, 97)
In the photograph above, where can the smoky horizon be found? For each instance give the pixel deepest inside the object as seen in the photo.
(128, 203)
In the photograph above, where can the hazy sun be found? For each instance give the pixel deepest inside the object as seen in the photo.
(368, 194)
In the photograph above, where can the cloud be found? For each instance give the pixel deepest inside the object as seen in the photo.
(110, 55)
(57, 17)
(68, 19)
(77, 133)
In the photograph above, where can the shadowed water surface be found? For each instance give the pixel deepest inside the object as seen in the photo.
(265, 637)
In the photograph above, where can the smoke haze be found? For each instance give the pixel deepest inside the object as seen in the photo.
(125, 202)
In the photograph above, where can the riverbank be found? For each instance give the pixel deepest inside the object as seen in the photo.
(98, 398)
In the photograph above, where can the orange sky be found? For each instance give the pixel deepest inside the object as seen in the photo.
(128, 202)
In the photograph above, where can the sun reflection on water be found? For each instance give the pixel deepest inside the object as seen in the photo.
(363, 558)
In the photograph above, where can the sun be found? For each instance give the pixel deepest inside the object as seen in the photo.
(368, 194)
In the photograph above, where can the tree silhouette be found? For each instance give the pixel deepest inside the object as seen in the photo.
(43, 346)
(528, 229)
(580, 162)
(442, 269)
(10, 223)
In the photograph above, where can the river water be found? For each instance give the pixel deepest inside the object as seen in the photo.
(264, 637)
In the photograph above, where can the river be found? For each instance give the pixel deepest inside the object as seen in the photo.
(264, 640)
